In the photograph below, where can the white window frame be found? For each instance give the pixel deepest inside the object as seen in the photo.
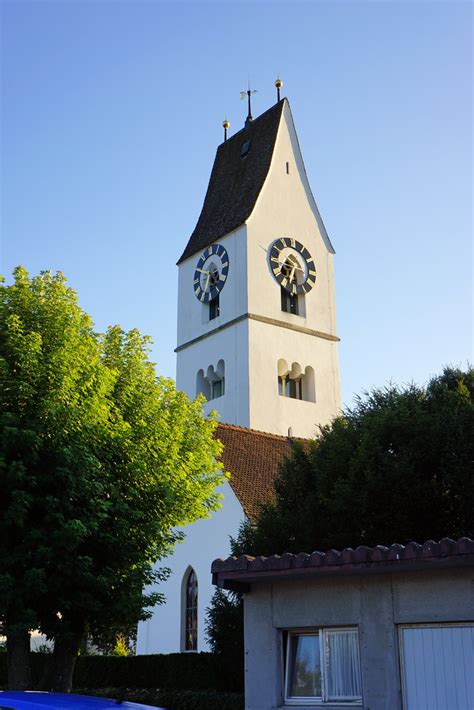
(322, 633)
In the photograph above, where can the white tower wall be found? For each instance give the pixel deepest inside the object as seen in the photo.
(271, 412)
(286, 208)
(193, 319)
(252, 333)
(232, 346)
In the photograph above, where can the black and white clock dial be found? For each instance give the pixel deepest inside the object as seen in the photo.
(292, 265)
(211, 273)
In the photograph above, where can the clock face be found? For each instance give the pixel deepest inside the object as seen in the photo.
(292, 265)
(211, 273)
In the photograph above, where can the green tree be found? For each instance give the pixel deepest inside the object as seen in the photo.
(121, 647)
(397, 467)
(225, 633)
(100, 460)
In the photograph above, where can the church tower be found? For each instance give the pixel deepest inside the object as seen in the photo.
(256, 308)
(257, 336)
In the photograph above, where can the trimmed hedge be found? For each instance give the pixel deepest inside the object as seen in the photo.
(176, 699)
(38, 662)
(184, 671)
(197, 671)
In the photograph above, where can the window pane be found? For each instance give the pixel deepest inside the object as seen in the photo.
(217, 390)
(191, 612)
(289, 302)
(214, 309)
(293, 304)
(343, 680)
(245, 149)
(304, 676)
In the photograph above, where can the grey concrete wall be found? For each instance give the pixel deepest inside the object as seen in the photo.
(373, 603)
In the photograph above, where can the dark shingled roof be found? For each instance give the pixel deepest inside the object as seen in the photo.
(236, 181)
(253, 458)
(239, 572)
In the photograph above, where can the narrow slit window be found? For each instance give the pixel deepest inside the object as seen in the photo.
(214, 308)
(289, 302)
(287, 168)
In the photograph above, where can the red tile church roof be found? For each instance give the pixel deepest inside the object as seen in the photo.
(253, 459)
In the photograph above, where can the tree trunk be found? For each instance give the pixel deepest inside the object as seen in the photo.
(59, 673)
(18, 660)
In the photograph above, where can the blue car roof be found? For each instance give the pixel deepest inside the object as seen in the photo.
(32, 700)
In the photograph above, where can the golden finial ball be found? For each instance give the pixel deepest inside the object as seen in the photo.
(225, 123)
(278, 83)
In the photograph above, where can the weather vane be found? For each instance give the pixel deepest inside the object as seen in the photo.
(248, 94)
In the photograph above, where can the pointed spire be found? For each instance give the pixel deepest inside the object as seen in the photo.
(248, 93)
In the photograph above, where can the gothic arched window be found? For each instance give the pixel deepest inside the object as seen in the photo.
(191, 612)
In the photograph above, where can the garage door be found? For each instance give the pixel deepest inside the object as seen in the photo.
(438, 666)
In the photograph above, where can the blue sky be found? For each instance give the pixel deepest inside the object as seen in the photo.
(112, 112)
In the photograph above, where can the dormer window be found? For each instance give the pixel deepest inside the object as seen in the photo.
(245, 149)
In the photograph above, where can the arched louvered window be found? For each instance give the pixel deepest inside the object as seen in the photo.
(191, 612)
(296, 382)
(211, 384)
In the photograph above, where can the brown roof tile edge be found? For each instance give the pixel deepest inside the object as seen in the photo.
(360, 557)
(256, 432)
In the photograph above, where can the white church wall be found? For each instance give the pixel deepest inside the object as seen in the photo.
(207, 540)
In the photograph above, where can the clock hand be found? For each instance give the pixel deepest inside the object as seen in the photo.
(202, 271)
(207, 281)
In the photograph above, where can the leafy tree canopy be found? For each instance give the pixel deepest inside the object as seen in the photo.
(397, 467)
(225, 634)
(100, 460)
